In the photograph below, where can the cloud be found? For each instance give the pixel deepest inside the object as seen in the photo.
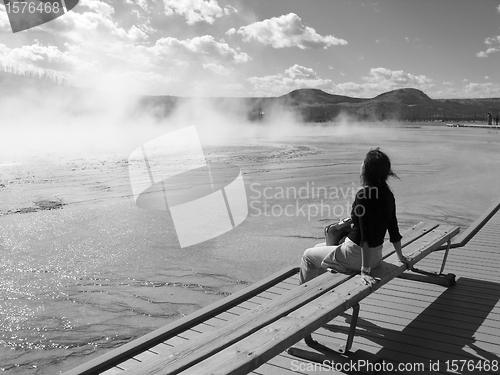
(488, 52)
(286, 31)
(295, 77)
(494, 42)
(188, 60)
(204, 48)
(481, 90)
(93, 25)
(101, 45)
(217, 69)
(390, 79)
(143, 4)
(169, 64)
(99, 7)
(197, 10)
(36, 57)
(302, 72)
(382, 80)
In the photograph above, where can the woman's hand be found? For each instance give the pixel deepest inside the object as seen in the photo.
(369, 280)
(406, 261)
(401, 257)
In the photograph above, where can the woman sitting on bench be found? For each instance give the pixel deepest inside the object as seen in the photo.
(373, 214)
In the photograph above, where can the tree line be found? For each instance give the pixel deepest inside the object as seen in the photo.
(44, 76)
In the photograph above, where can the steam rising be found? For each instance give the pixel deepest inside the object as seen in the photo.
(81, 123)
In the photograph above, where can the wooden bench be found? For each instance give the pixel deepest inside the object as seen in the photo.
(253, 338)
(254, 350)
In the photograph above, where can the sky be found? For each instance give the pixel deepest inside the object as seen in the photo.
(359, 48)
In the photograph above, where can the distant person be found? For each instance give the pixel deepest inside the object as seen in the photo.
(489, 118)
(496, 120)
(373, 214)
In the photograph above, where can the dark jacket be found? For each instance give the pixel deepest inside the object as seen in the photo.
(373, 214)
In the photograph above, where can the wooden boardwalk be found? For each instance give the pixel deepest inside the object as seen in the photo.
(405, 323)
(408, 322)
(467, 125)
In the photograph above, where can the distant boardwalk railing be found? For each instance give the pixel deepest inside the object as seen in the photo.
(463, 238)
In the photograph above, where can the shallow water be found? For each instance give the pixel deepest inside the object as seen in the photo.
(78, 281)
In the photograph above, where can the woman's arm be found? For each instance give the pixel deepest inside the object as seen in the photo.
(366, 256)
(401, 257)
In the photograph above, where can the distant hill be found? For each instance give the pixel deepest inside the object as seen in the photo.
(406, 104)
(315, 96)
(406, 96)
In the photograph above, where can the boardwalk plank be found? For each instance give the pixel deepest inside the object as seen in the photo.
(129, 364)
(238, 310)
(259, 300)
(248, 305)
(202, 328)
(474, 302)
(402, 350)
(285, 286)
(269, 295)
(269, 368)
(215, 322)
(175, 341)
(446, 306)
(189, 334)
(419, 326)
(161, 348)
(145, 356)
(400, 307)
(227, 316)
(276, 290)
(113, 371)
(413, 309)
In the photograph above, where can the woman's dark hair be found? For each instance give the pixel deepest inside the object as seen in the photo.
(376, 169)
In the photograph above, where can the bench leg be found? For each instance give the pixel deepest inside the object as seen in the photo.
(344, 355)
(432, 277)
(352, 330)
(445, 257)
(344, 348)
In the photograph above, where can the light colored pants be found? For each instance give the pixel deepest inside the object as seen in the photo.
(310, 265)
(343, 258)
